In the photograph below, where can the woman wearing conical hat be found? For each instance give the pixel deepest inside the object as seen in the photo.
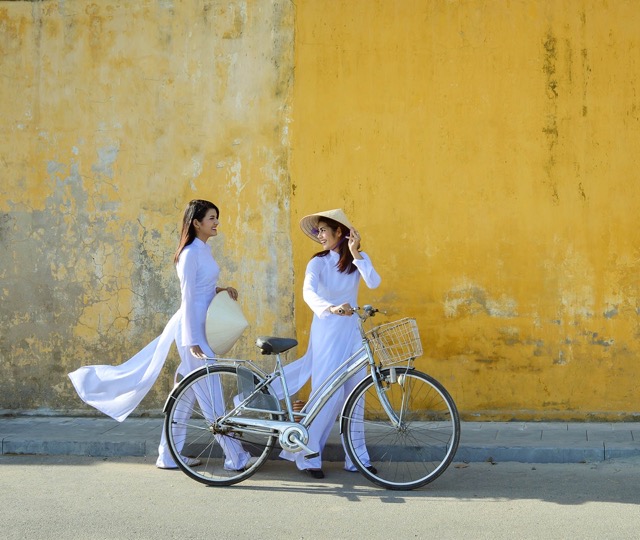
(330, 289)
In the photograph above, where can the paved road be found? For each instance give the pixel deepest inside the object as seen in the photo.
(75, 497)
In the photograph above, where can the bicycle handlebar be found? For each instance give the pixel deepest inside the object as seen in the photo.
(369, 311)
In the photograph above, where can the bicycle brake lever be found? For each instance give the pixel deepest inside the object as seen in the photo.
(370, 310)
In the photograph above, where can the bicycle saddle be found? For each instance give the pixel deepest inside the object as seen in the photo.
(275, 345)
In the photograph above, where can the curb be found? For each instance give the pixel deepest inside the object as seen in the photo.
(480, 441)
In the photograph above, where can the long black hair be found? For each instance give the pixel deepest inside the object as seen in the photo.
(196, 209)
(345, 262)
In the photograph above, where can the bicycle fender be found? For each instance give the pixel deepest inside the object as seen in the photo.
(383, 372)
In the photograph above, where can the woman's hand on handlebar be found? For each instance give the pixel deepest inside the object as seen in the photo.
(366, 311)
(343, 310)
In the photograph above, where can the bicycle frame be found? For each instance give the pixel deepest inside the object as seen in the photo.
(348, 369)
(318, 398)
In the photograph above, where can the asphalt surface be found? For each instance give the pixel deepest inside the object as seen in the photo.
(127, 498)
(525, 442)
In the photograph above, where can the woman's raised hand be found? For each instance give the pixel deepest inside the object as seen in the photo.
(354, 243)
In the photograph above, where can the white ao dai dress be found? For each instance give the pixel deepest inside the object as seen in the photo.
(333, 338)
(117, 390)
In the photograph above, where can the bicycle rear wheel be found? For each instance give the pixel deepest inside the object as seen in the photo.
(227, 455)
(415, 451)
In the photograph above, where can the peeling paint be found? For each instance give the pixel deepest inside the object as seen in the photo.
(609, 314)
(472, 299)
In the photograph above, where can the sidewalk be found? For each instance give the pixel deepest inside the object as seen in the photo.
(527, 442)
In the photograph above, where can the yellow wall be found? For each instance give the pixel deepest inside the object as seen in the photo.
(488, 151)
(113, 115)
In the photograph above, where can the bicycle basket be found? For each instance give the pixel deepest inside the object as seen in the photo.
(395, 342)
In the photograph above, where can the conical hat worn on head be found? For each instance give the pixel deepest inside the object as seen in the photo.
(309, 223)
(225, 323)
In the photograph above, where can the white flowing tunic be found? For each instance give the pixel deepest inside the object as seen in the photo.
(118, 390)
(333, 338)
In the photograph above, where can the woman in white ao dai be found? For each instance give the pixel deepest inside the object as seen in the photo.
(118, 390)
(331, 294)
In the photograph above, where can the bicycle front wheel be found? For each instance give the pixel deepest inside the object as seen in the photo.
(207, 450)
(415, 447)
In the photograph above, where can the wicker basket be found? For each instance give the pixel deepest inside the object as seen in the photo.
(395, 342)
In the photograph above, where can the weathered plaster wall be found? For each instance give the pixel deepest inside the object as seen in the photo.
(113, 115)
(488, 151)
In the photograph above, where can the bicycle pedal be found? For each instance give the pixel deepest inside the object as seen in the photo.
(311, 456)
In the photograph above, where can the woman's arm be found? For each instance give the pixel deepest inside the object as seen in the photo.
(367, 271)
(362, 261)
(320, 306)
(310, 294)
(187, 270)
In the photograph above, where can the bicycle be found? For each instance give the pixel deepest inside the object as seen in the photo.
(400, 426)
